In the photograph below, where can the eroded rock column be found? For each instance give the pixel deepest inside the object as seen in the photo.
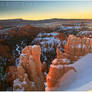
(29, 74)
(57, 69)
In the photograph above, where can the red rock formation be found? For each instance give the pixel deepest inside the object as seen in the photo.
(29, 74)
(58, 68)
(55, 74)
(77, 46)
(59, 53)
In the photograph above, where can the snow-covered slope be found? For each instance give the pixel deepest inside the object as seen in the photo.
(80, 80)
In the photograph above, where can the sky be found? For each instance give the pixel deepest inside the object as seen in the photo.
(46, 10)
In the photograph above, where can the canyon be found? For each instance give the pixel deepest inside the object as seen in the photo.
(34, 58)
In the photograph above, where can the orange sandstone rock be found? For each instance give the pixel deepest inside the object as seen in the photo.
(56, 72)
(77, 46)
(57, 69)
(59, 53)
(29, 70)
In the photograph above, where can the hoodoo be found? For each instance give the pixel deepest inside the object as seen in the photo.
(29, 74)
(58, 68)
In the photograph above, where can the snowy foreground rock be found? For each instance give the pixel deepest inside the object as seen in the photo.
(80, 80)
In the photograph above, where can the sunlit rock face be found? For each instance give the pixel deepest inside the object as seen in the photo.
(29, 73)
(77, 46)
(58, 68)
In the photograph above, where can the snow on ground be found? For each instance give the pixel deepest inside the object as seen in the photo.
(80, 80)
(66, 27)
(87, 86)
(84, 32)
(47, 39)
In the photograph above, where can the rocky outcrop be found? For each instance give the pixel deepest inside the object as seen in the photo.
(29, 72)
(77, 46)
(57, 69)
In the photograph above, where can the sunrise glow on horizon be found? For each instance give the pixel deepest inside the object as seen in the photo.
(34, 10)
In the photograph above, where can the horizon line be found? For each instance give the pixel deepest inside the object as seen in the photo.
(48, 19)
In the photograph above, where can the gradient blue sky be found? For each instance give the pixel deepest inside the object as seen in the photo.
(46, 10)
